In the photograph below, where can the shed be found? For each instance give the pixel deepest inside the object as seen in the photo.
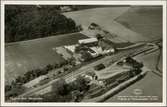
(99, 67)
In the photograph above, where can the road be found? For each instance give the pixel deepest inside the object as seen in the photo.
(69, 77)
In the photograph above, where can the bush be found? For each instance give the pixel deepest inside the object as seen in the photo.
(15, 91)
(81, 83)
(49, 67)
(60, 87)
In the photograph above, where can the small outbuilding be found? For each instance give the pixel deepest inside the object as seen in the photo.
(99, 67)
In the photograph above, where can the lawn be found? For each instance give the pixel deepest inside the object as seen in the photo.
(27, 55)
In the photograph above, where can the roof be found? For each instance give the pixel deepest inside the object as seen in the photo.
(97, 49)
(94, 24)
(99, 67)
(71, 47)
(89, 40)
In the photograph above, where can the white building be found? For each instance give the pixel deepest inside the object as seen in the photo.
(87, 41)
(98, 51)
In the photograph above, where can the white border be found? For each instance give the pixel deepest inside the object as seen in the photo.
(163, 3)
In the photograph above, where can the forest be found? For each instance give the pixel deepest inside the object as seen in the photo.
(26, 22)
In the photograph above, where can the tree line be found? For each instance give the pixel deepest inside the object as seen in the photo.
(11, 89)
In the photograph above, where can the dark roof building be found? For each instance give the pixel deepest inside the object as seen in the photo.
(99, 67)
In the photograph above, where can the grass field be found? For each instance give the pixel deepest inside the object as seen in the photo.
(27, 55)
(144, 20)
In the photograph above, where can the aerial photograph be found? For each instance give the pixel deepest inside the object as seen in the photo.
(83, 53)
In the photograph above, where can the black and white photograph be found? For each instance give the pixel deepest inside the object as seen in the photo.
(83, 53)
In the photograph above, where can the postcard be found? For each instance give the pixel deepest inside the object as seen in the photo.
(83, 53)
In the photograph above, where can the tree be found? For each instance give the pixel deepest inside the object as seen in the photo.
(90, 73)
(65, 69)
(8, 88)
(49, 67)
(15, 91)
(19, 79)
(98, 36)
(76, 95)
(71, 61)
(81, 83)
(60, 87)
(86, 56)
(56, 65)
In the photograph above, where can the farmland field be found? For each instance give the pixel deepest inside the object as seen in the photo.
(27, 55)
(144, 20)
(97, 15)
(123, 21)
(105, 17)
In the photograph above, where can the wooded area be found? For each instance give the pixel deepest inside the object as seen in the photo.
(26, 22)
